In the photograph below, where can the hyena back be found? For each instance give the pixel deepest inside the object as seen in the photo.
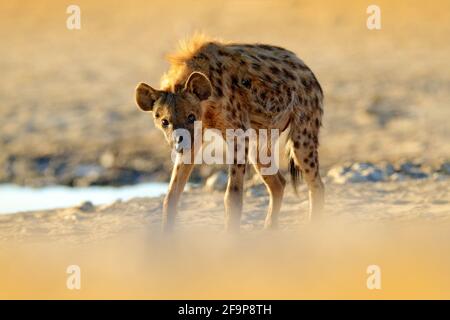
(240, 86)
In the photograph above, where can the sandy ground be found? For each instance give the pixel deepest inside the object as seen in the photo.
(402, 227)
(67, 116)
(386, 202)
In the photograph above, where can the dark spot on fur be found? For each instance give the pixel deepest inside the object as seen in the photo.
(255, 58)
(306, 85)
(266, 47)
(223, 53)
(219, 92)
(234, 82)
(201, 56)
(292, 64)
(256, 66)
(288, 74)
(268, 78)
(275, 70)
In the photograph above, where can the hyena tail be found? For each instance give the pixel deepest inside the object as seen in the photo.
(294, 170)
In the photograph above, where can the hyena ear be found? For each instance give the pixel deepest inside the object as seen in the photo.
(146, 96)
(199, 85)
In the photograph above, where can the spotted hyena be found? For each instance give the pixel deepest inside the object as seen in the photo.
(240, 86)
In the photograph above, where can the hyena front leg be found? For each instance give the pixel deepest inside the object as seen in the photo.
(180, 175)
(233, 197)
(238, 146)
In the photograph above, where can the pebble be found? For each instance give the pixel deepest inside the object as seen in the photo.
(86, 206)
(257, 191)
(107, 159)
(445, 168)
(217, 181)
(374, 174)
(397, 177)
(368, 172)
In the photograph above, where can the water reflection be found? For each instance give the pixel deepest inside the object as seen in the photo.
(15, 198)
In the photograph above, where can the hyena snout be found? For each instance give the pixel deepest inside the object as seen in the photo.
(182, 140)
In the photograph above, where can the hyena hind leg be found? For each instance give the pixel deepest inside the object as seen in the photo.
(305, 157)
(275, 186)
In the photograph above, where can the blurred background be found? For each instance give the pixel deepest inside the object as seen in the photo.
(67, 114)
(68, 118)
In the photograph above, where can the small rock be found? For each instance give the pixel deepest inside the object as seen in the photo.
(355, 176)
(42, 163)
(340, 180)
(86, 175)
(107, 159)
(87, 170)
(257, 191)
(445, 168)
(408, 166)
(413, 170)
(389, 169)
(360, 166)
(418, 175)
(86, 206)
(438, 177)
(217, 181)
(398, 177)
(337, 172)
(373, 174)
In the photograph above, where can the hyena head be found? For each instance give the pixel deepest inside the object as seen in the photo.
(176, 113)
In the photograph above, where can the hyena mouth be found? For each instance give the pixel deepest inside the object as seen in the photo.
(181, 146)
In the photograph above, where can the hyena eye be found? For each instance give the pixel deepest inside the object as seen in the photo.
(191, 118)
(164, 123)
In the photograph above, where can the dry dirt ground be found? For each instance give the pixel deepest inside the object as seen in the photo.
(385, 202)
(402, 228)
